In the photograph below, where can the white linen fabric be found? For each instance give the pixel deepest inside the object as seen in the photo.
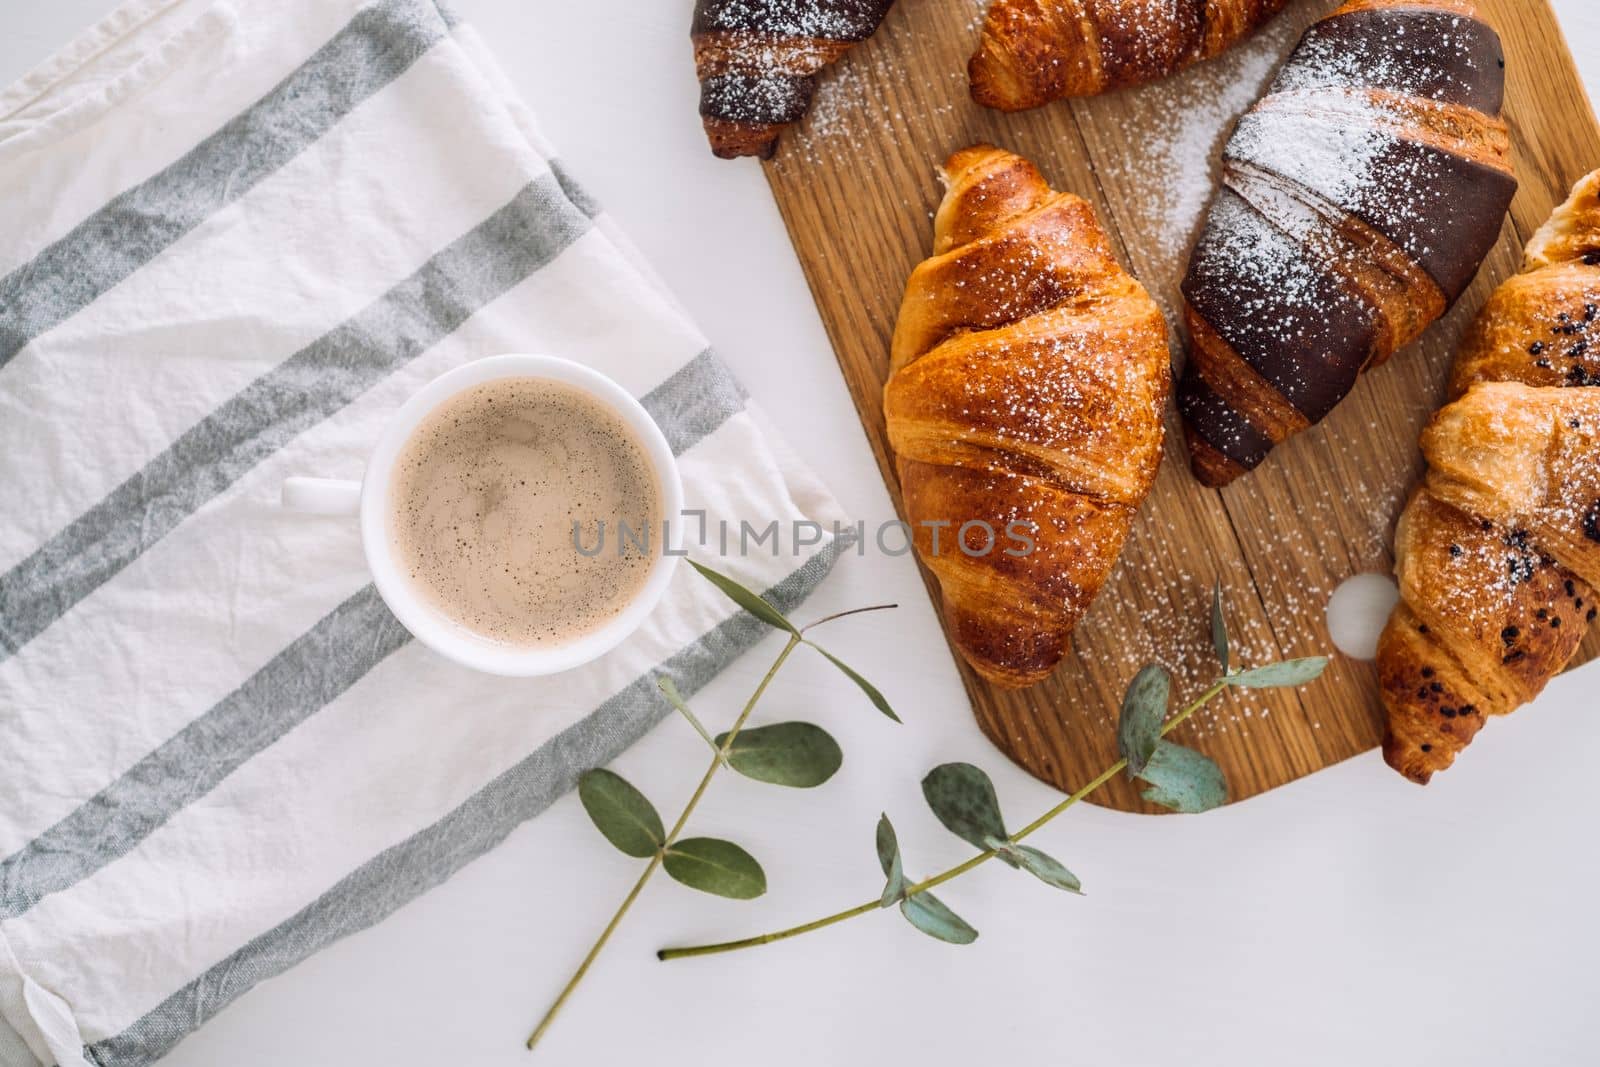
(236, 235)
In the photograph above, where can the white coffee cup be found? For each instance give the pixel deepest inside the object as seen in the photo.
(368, 498)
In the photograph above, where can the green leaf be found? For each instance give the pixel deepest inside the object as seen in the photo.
(1047, 869)
(889, 860)
(1219, 629)
(1144, 709)
(718, 867)
(1004, 850)
(669, 689)
(927, 913)
(1184, 780)
(621, 812)
(1285, 675)
(866, 687)
(922, 910)
(1021, 857)
(796, 754)
(962, 797)
(747, 600)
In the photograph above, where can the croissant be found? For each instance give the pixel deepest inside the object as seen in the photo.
(758, 60)
(1028, 376)
(1498, 552)
(1358, 200)
(1036, 51)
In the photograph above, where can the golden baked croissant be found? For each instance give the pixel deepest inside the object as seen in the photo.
(1027, 382)
(758, 59)
(1036, 51)
(1498, 553)
(1358, 200)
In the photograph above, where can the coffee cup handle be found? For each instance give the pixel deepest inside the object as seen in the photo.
(322, 496)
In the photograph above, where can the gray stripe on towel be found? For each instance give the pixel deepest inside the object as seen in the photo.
(309, 673)
(424, 860)
(580, 197)
(695, 401)
(532, 229)
(447, 11)
(294, 685)
(375, 47)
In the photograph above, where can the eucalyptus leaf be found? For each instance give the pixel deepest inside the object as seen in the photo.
(669, 689)
(1285, 675)
(1219, 629)
(622, 813)
(927, 913)
(714, 866)
(865, 686)
(747, 600)
(1184, 780)
(1144, 709)
(889, 859)
(796, 754)
(1047, 869)
(1004, 850)
(962, 798)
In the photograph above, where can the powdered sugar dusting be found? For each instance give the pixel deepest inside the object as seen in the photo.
(836, 20)
(1443, 66)
(1192, 115)
(1342, 125)
(1283, 282)
(851, 102)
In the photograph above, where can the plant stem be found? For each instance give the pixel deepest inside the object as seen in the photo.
(717, 762)
(846, 615)
(594, 952)
(954, 872)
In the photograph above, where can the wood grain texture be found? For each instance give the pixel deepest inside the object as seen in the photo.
(857, 187)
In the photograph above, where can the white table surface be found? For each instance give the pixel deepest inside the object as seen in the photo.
(1347, 918)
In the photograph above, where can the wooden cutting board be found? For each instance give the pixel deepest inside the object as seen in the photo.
(857, 187)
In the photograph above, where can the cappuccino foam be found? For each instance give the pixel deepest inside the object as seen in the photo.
(484, 498)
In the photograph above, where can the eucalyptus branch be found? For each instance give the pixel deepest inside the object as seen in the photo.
(795, 754)
(656, 858)
(959, 869)
(963, 799)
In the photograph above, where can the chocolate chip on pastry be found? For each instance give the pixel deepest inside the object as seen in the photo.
(1498, 552)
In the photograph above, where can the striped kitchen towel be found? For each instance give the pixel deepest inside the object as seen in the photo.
(234, 236)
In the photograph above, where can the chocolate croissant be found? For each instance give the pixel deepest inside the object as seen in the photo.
(1498, 553)
(1358, 200)
(1036, 51)
(758, 61)
(1028, 377)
